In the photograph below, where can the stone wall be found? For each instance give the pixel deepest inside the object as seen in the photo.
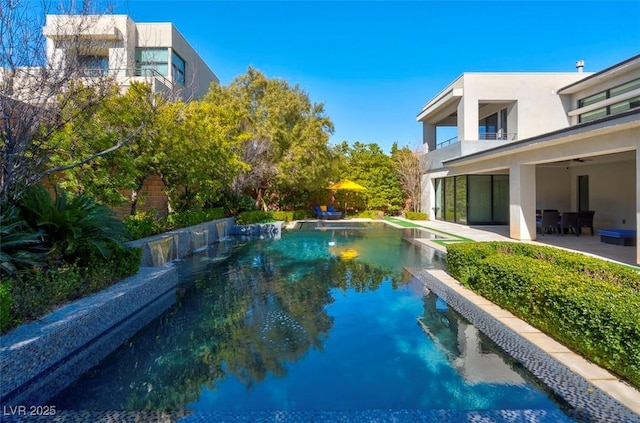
(40, 359)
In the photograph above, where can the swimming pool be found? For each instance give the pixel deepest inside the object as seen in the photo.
(322, 319)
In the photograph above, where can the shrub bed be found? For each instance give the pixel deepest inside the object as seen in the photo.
(415, 215)
(371, 214)
(31, 294)
(590, 305)
(148, 223)
(260, 216)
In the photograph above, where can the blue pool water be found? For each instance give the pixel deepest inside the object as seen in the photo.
(322, 319)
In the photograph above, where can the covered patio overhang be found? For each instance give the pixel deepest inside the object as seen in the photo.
(543, 173)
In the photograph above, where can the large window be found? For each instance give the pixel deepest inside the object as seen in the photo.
(151, 60)
(473, 199)
(178, 67)
(613, 108)
(94, 65)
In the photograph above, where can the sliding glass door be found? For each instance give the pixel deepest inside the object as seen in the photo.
(473, 199)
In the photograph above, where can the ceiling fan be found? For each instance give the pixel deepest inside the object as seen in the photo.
(581, 160)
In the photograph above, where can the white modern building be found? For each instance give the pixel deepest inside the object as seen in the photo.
(115, 45)
(500, 146)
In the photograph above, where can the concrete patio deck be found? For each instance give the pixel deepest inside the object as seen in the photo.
(585, 243)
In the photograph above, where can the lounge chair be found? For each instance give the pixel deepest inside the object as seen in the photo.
(320, 214)
(333, 214)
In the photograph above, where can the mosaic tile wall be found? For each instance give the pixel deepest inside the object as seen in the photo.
(589, 403)
(182, 244)
(39, 359)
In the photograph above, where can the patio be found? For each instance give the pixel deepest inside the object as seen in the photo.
(585, 243)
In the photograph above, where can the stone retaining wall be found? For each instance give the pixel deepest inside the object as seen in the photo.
(40, 359)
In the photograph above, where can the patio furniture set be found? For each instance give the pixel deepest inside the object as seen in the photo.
(327, 213)
(552, 221)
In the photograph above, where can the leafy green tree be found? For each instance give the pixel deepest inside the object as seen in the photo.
(288, 147)
(198, 158)
(369, 166)
(132, 116)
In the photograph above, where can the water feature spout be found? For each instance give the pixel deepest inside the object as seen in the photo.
(162, 250)
(222, 230)
(198, 239)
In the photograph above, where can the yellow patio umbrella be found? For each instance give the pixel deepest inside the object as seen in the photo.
(346, 185)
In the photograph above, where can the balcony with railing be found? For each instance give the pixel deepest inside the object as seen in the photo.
(500, 136)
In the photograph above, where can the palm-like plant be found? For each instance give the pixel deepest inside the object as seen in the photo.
(72, 224)
(20, 246)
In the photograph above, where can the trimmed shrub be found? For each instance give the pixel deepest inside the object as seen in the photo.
(588, 304)
(287, 216)
(415, 215)
(148, 223)
(371, 214)
(303, 214)
(253, 216)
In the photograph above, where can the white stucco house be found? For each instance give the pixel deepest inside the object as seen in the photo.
(534, 141)
(117, 46)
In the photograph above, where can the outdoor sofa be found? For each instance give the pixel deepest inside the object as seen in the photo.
(327, 214)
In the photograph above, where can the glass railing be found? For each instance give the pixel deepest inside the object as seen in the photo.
(498, 136)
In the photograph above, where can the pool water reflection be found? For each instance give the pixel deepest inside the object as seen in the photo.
(295, 324)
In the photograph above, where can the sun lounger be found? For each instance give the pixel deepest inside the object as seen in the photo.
(626, 237)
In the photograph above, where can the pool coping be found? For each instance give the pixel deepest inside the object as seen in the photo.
(594, 392)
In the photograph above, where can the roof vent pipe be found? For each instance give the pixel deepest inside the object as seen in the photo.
(579, 65)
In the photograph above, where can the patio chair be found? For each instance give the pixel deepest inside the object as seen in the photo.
(549, 222)
(585, 220)
(568, 223)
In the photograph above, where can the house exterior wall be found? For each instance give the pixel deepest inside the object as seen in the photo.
(539, 108)
(118, 37)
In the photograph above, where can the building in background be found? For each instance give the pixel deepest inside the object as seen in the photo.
(115, 45)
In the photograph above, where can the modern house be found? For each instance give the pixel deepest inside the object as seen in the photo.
(115, 45)
(534, 141)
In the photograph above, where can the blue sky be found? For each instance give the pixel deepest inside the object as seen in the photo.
(374, 64)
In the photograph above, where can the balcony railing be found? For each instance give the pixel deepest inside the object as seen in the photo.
(497, 136)
(446, 142)
(501, 136)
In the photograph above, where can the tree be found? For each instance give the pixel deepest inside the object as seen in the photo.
(369, 166)
(408, 166)
(198, 152)
(35, 88)
(287, 149)
(107, 178)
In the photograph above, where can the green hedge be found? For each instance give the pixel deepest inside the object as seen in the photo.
(415, 215)
(371, 214)
(259, 216)
(590, 305)
(148, 223)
